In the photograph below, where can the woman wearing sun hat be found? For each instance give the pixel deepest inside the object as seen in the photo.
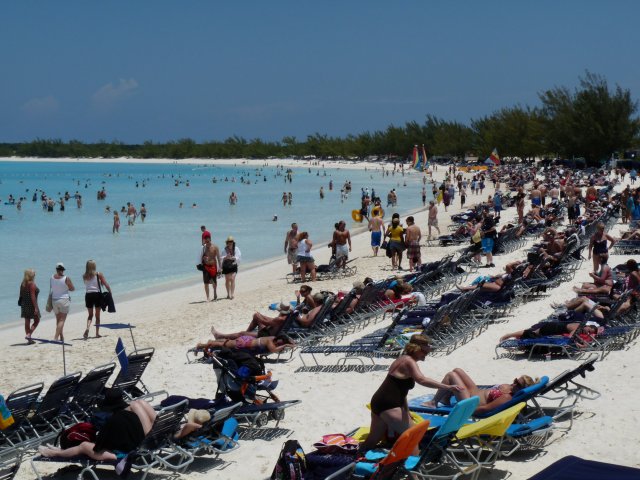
(60, 286)
(230, 259)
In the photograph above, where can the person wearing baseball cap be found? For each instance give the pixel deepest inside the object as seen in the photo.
(61, 285)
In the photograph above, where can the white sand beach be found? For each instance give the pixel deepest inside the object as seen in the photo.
(173, 321)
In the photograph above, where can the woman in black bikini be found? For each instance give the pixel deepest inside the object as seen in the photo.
(598, 245)
(389, 409)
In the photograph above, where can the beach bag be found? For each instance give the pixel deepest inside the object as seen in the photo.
(384, 245)
(228, 264)
(200, 266)
(337, 443)
(106, 298)
(291, 464)
(76, 434)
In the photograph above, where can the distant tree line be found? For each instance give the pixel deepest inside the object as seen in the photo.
(592, 121)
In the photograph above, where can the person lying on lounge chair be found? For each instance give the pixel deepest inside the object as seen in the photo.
(247, 342)
(584, 305)
(492, 284)
(124, 431)
(304, 296)
(307, 319)
(268, 325)
(403, 292)
(545, 329)
(490, 398)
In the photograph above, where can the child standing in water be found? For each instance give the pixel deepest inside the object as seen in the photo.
(116, 222)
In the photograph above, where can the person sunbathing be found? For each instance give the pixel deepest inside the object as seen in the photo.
(267, 325)
(488, 284)
(602, 280)
(124, 431)
(545, 329)
(402, 292)
(247, 342)
(631, 235)
(304, 294)
(490, 397)
(306, 320)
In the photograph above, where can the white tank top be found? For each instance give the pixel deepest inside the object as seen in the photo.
(302, 248)
(59, 288)
(92, 284)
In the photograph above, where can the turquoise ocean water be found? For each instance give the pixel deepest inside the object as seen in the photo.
(164, 249)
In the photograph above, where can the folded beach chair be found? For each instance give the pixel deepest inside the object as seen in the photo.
(129, 380)
(158, 450)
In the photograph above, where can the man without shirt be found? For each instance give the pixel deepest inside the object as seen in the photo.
(412, 236)
(341, 237)
(211, 262)
(433, 217)
(291, 247)
(376, 227)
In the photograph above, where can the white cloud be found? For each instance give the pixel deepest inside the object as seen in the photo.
(109, 95)
(41, 106)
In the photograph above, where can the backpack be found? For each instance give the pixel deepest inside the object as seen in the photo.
(76, 434)
(291, 464)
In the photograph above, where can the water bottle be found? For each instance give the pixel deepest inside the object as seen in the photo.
(6, 419)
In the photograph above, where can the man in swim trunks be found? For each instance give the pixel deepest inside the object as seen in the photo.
(412, 236)
(291, 247)
(536, 196)
(341, 237)
(376, 227)
(433, 217)
(211, 262)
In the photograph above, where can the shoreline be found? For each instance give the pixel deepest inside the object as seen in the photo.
(272, 162)
(169, 286)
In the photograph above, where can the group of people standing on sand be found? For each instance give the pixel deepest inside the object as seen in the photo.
(59, 299)
(297, 246)
(215, 263)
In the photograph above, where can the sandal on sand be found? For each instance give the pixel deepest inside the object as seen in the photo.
(85, 335)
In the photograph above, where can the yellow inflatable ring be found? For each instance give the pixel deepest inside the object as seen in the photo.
(356, 215)
(377, 212)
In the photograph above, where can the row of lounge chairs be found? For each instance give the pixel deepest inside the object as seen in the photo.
(39, 418)
(455, 442)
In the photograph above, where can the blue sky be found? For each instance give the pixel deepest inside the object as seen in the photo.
(161, 70)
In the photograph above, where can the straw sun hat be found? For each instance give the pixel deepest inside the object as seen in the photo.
(198, 416)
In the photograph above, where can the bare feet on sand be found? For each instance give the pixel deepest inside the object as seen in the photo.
(214, 332)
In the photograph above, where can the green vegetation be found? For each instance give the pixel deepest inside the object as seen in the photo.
(591, 122)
